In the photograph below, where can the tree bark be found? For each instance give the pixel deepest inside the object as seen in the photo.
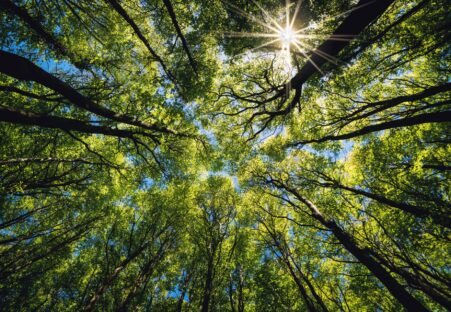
(208, 286)
(417, 283)
(386, 104)
(435, 117)
(171, 12)
(285, 258)
(20, 68)
(361, 254)
(47, 37)
(417, 211)
(66, 124)
(121, 11)
(107, 281)
(363, 14)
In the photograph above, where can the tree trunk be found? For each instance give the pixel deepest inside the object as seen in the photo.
(417, 211)
(364, 13)
(435, 117)
(143, 277)
(110, 278)
(208, 286)
(20, 68)
(363, 255)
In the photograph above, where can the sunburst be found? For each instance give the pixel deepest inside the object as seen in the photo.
(281, 33)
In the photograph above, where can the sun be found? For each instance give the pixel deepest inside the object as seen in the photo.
(287, 37)
(280, 32)
(283, 33)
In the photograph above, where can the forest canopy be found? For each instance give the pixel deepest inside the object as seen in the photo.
(225, 155)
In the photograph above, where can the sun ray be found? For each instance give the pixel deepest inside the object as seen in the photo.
(316, 36)
(259, 47)
(233, 34)
(320, 53)
(287, 36)
(308, 58)
(296, 11)
(287, 14)
(323, 54)
(291, 40)
(273, 21)
(250, 16)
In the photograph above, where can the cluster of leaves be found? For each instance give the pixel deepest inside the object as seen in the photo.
(149, 163)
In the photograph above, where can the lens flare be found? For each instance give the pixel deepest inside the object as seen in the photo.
(282, 34)
(287, 36)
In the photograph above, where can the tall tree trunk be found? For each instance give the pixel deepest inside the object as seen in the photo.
(107, 281)
(240, 290)
(285, 257)
(310, 286)
(121, 11)
(231, 301)
(302, 290)
(417, 211)
(435, 117)
(143, 278)
(363, 14)
(171, 12)
(20, 68)
(183, 291)
(66, 124)
(362, 255)
(47, 37)
(417, 283)
(208, 289)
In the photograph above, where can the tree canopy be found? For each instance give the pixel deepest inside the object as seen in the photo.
(225, 155)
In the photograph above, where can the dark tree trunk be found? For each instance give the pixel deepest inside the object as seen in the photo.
(417, 211)
(208, 289)
(435, 117)
(183, 292)
(107, 281)
(20, 68)
(302, 290)
(365, 12)
(46, 36)
(121, 11)
(171, 12)
(362, 255)
(142, 279)
(55, 122)
(418, 283)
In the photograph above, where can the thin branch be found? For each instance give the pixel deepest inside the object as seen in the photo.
(171, 12)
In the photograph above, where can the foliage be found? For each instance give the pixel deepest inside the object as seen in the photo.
(151, 161)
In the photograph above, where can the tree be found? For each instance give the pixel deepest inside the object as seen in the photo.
(160, 155)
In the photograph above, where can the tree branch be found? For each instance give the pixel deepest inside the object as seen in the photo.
(171, 12)
(65, 124)
(121, 11)
(435, 117)
(20, 68)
